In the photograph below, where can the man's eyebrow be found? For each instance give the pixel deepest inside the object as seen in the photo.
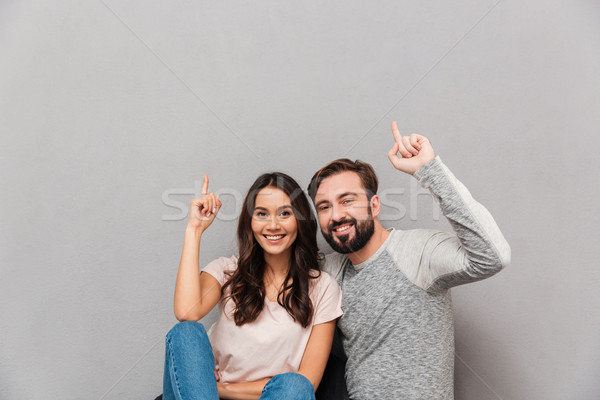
(321, 202)
(339, 196)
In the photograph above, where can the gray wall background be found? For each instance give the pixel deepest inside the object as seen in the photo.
(111, 110)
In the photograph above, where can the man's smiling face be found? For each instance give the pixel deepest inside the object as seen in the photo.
(344, 212)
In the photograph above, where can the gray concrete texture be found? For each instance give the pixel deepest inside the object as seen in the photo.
(111, 111)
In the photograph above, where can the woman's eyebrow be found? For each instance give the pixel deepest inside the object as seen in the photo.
(278, 208)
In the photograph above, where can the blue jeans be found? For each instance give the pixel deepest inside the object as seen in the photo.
(190, 370)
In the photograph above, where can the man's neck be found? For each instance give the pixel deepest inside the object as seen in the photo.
(380, 234)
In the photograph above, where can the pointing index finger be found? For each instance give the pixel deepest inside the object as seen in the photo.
(205, 185)
(396, 132)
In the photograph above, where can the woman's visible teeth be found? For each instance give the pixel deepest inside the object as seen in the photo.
(343, 228)
(274, 237)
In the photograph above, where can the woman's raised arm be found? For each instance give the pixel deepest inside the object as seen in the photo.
(195, 293)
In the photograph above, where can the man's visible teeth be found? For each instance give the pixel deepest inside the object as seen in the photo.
(274, 237)
(343, 228)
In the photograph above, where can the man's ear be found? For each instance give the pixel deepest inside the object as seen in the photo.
(375, 205)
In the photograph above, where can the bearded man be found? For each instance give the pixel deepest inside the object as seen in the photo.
(397, 330)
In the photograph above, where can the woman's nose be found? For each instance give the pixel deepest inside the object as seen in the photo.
(274, 223)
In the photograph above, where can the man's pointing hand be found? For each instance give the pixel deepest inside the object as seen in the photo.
(415, 150)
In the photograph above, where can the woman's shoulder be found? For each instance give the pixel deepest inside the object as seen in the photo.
(223, 262)
(319, 274)
(323, 281)
(327, 299)
(220, 266)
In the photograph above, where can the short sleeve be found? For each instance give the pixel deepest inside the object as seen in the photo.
(218, 268)
(327, 299)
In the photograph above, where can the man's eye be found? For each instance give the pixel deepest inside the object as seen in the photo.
(323, 208)
(347, 201)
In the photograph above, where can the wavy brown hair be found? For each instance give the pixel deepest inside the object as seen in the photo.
(246, 284)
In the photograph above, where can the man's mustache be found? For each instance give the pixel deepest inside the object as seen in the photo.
(337, 224)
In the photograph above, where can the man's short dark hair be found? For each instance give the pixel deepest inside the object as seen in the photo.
(364, 170)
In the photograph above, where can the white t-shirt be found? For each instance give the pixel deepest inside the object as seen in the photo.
(273, 343)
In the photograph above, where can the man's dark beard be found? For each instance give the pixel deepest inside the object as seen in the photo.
(363, 232)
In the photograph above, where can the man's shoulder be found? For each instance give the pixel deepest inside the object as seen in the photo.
(411, 251)
(408, 239)
(334, 264)
(406, 246)
(334, 261)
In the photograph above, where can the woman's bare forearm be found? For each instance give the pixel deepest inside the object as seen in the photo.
(188, 296)
(242, 391)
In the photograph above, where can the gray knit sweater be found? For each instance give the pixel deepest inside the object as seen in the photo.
(397, 329)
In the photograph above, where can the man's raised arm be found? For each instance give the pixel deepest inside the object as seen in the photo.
(477, 250)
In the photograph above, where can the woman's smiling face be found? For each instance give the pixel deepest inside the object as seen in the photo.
(273, 222)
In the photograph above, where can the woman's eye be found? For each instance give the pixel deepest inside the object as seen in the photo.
(261, 214)
(285, 214)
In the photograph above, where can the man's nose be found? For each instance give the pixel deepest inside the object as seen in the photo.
(338, 213)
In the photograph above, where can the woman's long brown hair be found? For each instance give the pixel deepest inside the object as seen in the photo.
(247, 289)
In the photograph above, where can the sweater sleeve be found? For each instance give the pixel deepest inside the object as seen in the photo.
(476, 251)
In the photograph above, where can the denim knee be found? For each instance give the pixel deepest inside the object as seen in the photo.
(289, 385)
(183, 331)
(298, 380)
(189, 363)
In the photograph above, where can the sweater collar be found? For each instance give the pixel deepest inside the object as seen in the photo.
(375, 255)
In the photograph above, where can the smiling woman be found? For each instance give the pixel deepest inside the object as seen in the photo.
(273, 222)
(277, 243)
(277, 310)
